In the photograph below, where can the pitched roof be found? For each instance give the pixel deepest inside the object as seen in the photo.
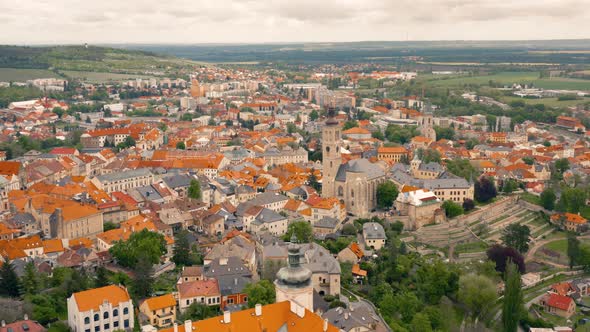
(559, 301)
(92, 299)
(274, 317)
(196, 288)
(356, 249)
(160, 302)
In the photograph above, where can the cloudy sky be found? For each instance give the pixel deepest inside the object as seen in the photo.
(230, 21)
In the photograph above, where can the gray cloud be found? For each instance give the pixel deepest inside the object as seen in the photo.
(189, 21)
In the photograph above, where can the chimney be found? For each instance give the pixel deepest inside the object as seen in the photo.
(26, 317)
(227, 317)
(188, 325)
(3, 323)
(258, 309)
(175, 327)
(325, 326)
(345, 315)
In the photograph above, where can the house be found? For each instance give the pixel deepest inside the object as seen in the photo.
(360, 316)
(374, 235)
(25, 325)
(351, 254)
(101, 309)
(160, 311)
(201, 291)
(232, 276)
(282, 316)
(570, 221)
(358, 274)
(191, 273)
(559, 305)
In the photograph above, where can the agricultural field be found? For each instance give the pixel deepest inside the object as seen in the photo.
(549, 102)
(100, 77)
(22, 75)
(508, 78)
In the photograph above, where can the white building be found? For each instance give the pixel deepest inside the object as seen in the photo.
(102, 309)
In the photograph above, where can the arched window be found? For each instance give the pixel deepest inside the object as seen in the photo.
(351, 193)
(340, 191)
(105, 315)
(87, 320)
(125, 311)
(96, 317)
(327, 149)
(115, 312)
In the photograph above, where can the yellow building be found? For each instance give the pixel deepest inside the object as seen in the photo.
(392, 153)
(160, 311)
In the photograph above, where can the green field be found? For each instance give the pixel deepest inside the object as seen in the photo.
(22, 75)
(559, 246)
(508, 78)
(100, 77)
(549, 102)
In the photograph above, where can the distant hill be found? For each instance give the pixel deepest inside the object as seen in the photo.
(91, 59)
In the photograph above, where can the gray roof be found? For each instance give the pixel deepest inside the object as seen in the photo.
(361, 315)
(431, 167)
(374, 231)
(267, 198)
(359, 166)
(117, 176)
(268, 216)
(319, 260)
(432, 184)
(149, 193)
(231, 274)
(326, 222)
(178, 180)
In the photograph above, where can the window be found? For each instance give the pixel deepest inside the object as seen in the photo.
(125, 311)
(87, 320)
(105, 315)
(245, 299)
(116, 324)
(126, 323)
(96, 317)
(96, 328)
(115, 312)
(107, 326)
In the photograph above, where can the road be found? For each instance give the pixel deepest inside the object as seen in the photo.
(531, 253)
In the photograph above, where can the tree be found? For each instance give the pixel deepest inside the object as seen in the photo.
(548, 199)
(386, 194)
(181, 254)
(9, 284)
(302, 230)
(314, 115)
(517, 236)
(468, 204)
(421, 323)
(348, 229)
(444, 133)
(349, 124)
(102, 277)
(512, 306)
(478, 294)
(271, 267)
(262, 292)
(573, 249)
(197, 311)
(30, 281)
(44, 309)
(462, 168)
(129, 142)
(88, 119)
(528, 160)
(107, 226)
(312, 181)
(452, 209)
(571, 200)
(562, 165)
(485, 189)
(194, 189)
(429, 156)
(180, 146)
(500, 256)
(509, 185)
(291, 128)
(150, 245)
(378, 135)
(143, 279)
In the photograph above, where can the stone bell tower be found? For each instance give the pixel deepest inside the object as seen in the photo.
(331, 141)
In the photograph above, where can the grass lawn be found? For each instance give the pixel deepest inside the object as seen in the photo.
(549, 102)
(470, 247)
(21, 75)
(531, 198)
(559, 246)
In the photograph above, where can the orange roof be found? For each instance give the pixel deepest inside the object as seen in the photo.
(559, 301)
(9, 167)
(356, 249)
(569, 217)
(356, 270)
(93, 298)
(81, 242)
(421, 139)
(392, 149)
(273, 318)
(356, 130)
(160, 302)
(562, 288)
(53, 245)
(190, 289)
(5, 230)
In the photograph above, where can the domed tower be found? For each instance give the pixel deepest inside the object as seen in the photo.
(331, 157)
(293, 282)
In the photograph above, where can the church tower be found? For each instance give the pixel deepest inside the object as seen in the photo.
(330, 155)
(293, 282)
(426, 126)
